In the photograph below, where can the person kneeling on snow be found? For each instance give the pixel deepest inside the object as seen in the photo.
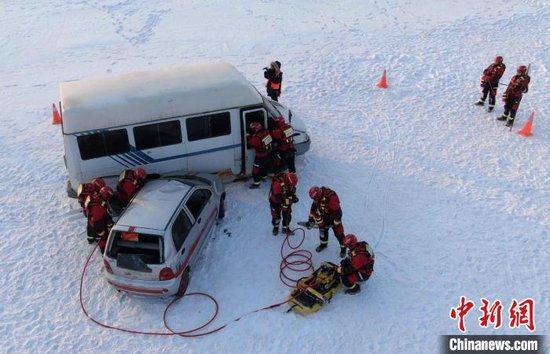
(357, 266)
(129, 182)
(99, 220)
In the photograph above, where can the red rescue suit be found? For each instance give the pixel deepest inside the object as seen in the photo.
(281, 197)
(283, 137)
(359, 264)
(261, 141)
(519, 84)
(83, 192)
(127, 187)
(326, 212)
(99, 220)
(490, 81)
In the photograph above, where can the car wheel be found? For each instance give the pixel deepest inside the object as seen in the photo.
(184, 283)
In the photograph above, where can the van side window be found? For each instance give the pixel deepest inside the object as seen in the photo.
(209, 126)
(157, 135)
(180, 230)
(197, 201)
(108, 142)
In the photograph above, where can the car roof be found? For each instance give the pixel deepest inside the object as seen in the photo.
(145, 96)
(154, 205)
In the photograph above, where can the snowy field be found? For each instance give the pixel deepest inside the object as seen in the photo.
(452, 202)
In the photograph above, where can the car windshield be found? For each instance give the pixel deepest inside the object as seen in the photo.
(135, 250)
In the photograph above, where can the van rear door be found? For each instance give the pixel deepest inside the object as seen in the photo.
(258, 115)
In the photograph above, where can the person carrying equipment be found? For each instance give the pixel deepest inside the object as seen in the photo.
(274, 77)
(519, 84)
(129, 182)
(325, 212)
(357, 266)
(284, 142)
(489, 82)
(114, 205)
(99, 220)
(281, 197)
(261, 141)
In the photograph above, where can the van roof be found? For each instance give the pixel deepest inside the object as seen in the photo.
(143, 96)
(154, 205)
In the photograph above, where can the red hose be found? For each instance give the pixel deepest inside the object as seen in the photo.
(297, 260)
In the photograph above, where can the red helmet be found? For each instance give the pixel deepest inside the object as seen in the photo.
(280, 120)
(256, 127)
(291, 178)
(98, 183)
(522, 69)
(140, 173)
(498, 59)
(314, 192)
(106, 192)
(350, 240)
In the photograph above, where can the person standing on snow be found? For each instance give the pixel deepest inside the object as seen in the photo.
(489, 82)
(325, 213)
(99, 220)
(129, 182)
(261, 141)
(284, 143)
(281, 197)
(274, 77)
(519, 84)
(357, 266)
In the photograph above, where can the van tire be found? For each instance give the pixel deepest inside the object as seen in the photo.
(221, 209)
(184, 283)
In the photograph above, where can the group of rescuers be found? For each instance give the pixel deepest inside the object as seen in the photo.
(519, 84)
(275, 154)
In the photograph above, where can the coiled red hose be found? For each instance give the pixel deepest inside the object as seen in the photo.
(297, 260)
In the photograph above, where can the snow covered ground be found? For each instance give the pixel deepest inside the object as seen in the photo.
(452, 202)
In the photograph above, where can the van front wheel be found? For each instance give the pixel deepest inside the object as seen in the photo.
(184, 283)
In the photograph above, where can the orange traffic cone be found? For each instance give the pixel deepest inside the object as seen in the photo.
(56, 117)
(526, 131)
(383, 83)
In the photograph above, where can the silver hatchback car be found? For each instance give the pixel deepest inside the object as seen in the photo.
(156, 241)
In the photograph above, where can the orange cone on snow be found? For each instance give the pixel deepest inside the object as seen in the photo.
(526, 131)
(383, 83)
(56, 117)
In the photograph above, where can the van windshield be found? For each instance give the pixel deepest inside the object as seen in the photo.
(135, 250)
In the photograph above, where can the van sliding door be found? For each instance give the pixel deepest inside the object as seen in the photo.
(258, 115)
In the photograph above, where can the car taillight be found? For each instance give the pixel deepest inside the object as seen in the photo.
(166, 274)
(107, 266)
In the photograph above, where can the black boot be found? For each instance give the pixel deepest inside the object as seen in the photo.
(353, 290)
(503, 117)
(510, 122)
(490, 109)
(480, 103)
(255, 185)
(275, 230)
(342, 251)
(321, 247)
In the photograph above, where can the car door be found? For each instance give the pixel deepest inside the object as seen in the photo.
(181, 230)
(202, 209)
(248, 116)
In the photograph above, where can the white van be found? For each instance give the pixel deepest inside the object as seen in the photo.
(191, 118)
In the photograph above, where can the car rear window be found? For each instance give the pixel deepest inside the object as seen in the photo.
(134, 250)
